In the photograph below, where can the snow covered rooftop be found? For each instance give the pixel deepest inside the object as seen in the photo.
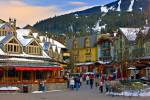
(2, 37)
(2, 25)
(58, 44)
(130, 33)
(44, 55)
(23, 32)
(21, 59)
(35, 35)
(24, 41)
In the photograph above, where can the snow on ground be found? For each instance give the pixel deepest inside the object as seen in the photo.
(9, 88)
(145, 92)
(46, 91)
(131, 6)
(38, 92)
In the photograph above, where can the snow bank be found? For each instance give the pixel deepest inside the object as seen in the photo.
(9, 88)
(131, 93)
(37, 92)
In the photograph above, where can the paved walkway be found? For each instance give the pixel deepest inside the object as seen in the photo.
(85, 93)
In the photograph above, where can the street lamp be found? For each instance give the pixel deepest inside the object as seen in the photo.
(148, 72)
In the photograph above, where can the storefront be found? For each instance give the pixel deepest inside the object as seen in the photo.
(84, 67)
(29, 73)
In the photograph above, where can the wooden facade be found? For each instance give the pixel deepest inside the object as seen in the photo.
(24, 58)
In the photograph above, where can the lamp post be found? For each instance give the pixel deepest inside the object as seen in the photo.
(148, 72)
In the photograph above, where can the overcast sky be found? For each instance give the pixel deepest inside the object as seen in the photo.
(31, 11)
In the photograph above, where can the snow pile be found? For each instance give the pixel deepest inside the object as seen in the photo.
(38, 92)
(131, 6)
(46, 91)
(145, 92)
(9, 88)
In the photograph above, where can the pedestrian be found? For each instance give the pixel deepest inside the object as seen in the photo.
(81, 81)
(87, 79)
(72, 83)
(91, 80)
(107, 85)
(77, 83)
(96, 81)
(101, 83)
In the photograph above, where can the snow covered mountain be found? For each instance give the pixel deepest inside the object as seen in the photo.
(119, 5)
(120, 13)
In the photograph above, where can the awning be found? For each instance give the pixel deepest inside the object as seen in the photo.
(1, 70)
(38, 68)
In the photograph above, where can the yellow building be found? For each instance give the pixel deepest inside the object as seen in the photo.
(83, 53)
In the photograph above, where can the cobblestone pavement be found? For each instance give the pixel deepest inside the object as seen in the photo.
(85, 93)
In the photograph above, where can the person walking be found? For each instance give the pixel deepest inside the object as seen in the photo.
(101, 84)
(87, 79)
(96, 81)
(81, 81)
(72, 83)
(91, 80)
(77, 83)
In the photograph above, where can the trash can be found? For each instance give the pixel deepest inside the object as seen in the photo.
(25, 89)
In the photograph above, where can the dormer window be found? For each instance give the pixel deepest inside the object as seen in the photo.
(13, 46)
(34, 48)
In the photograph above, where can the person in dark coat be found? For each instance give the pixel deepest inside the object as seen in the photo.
(91, 80)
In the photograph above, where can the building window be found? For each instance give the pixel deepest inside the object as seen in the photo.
(86, 42)
(34, 49)
(75, 44)
(13, 47)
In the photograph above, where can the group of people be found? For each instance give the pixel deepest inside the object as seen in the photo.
(74, 82)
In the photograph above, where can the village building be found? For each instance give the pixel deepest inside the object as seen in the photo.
(25, 58)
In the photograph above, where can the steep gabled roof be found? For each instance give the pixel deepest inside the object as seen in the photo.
(130, 33)
(58, 44)
(24, 41)
(5, 39)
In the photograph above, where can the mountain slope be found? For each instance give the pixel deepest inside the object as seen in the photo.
(120, 13)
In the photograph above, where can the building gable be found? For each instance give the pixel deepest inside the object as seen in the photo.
(34, 43)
